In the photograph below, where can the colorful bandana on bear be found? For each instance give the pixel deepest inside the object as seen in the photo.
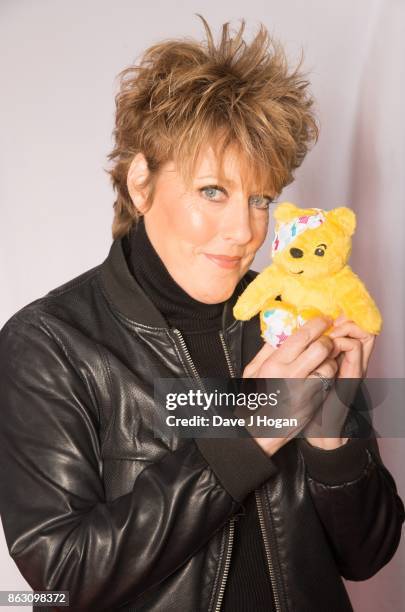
(287, 232)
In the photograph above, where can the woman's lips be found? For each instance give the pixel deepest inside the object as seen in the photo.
(224, 261)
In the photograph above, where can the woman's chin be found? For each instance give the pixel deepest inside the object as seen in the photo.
(215, 295)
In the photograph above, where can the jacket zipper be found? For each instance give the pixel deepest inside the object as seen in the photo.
(227, 356)
(268, 553)
(259, 509)
(231, 533)
(231, 524)
(188, 356)
(232, 520)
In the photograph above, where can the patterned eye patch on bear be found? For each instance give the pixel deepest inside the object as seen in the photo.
(287, 232)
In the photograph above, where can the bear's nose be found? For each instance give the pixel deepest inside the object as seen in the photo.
(296, 253)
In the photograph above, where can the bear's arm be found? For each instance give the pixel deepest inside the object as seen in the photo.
(267, 285)
(355, 301)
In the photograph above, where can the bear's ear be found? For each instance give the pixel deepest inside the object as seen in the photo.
(344, 217)
(286, 211)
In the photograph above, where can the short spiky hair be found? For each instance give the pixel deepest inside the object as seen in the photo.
(183, 92)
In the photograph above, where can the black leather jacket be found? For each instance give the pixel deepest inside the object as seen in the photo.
(92, 503)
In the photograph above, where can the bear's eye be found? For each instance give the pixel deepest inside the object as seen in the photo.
(320, 250)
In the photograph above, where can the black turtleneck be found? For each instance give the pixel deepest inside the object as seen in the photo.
(248, 585)
(199, 323)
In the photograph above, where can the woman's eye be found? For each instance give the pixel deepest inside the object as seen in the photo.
(216, 194)
(212, 192)
(262, 202)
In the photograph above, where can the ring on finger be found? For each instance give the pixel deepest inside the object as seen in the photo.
(326, 382)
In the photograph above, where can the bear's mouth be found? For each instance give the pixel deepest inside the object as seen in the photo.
(300, 272)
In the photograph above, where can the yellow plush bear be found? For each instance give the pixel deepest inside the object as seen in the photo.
(309, 275)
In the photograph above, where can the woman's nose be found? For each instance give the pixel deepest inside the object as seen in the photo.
(238, 224)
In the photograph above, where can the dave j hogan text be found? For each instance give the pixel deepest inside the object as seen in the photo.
(218, 421)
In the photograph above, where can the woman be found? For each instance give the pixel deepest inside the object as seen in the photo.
(92, 502)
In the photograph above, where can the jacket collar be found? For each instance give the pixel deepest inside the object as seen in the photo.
(128, 296)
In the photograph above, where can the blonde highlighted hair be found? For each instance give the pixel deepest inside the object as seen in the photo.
(184, 94)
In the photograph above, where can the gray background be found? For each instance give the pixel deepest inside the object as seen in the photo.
(58, 63)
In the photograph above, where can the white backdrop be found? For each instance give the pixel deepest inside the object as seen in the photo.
(58, 62)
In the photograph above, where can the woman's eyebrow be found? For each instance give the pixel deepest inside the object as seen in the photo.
(216, 178)
(225, 181)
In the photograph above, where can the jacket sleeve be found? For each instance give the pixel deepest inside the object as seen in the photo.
(357, 501)
(60, 531)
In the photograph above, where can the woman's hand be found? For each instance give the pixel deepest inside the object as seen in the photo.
(298, 357)
(352, 350)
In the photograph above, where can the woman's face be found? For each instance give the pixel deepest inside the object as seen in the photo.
(207, 235)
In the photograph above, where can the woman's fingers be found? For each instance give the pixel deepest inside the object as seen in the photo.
(265, 352)
(339, 320)
(301, 339)
(367, 349)
(349, 328)
(351, 365)
(297, 357)
(313, 357)
(328, 368)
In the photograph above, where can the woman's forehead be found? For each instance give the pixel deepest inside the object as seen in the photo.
(231, 166)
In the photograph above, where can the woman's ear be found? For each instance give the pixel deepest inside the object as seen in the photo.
(137, 174)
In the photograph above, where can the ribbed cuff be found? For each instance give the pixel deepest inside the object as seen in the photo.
(335, 466)
(240, 464)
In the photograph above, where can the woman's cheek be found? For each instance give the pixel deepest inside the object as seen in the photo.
(196, 225)
(260, 227)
